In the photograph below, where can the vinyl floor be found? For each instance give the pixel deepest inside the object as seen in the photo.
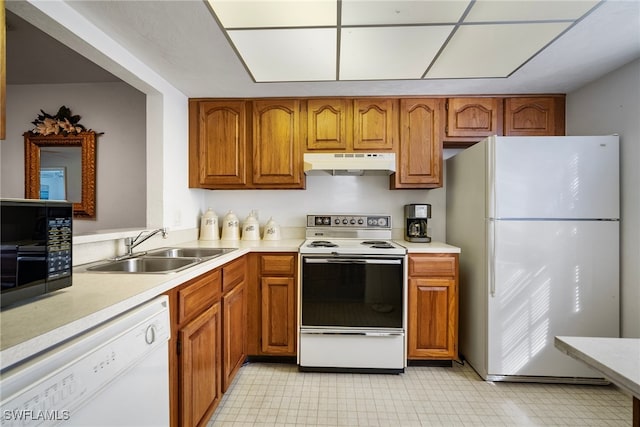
(268, 394)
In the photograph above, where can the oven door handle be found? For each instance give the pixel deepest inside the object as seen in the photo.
(365, 334)
(351, 261)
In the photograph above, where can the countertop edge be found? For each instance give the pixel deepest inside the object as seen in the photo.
(574, 347)
(13, 354)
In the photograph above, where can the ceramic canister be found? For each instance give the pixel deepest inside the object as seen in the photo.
(251, 228)
(209, 226)
(230, 227)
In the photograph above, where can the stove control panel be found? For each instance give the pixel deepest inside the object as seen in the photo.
(350, 221)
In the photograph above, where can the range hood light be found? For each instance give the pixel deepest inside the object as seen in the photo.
(354, 164)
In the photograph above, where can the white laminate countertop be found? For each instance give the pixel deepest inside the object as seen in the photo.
(617, 359)
(433, 247)
(94, 298)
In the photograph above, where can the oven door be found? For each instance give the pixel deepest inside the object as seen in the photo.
(352, 314)
(354, 292)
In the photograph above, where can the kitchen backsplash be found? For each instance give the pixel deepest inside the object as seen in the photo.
(329, 194)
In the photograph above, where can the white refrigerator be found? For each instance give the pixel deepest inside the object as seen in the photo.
(537, 220)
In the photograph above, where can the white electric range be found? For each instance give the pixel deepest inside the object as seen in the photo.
(352, 295)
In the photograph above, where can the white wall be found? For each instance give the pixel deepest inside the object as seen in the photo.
(116, 109)
(330, 194)
(169, 202)
(609, 105)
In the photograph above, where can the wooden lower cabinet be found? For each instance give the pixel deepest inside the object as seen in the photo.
(195, 357)
(200, 373)
(208, 341)
(433, 307)
(278, 319)
(234, 320)
(272, 304)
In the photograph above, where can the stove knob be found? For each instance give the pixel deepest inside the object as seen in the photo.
(360, 221)
(353, 221)
(327, 221)
(345, 221)
(382, 222)
(336, 221)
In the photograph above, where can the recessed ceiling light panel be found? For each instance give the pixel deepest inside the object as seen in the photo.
(288, 54)
(389, 52)
(280, 13)
(386, 12)
(528, 10)
(478, 51)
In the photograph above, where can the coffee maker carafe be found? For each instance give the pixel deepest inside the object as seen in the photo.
(416, 216)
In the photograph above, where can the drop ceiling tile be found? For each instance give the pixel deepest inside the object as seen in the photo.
(528, 10)
(281, 13)
(389, 12)
(389, 52)
(288, 54)
(477, 51)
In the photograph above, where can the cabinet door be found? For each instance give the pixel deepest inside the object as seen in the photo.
(535, 116)
(278, 316)
(277, 155)
(432, 325)
(328, 124)
(420, 153)
(474, 117)
(374, 124)
(234, 331)
(200, 367)
(217, 143)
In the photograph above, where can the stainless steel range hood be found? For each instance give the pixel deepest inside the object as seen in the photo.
(349, 163)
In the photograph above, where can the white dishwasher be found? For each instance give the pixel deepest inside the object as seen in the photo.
(114, 375)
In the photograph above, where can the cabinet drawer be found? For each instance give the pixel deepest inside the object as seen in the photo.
(278, 264)
(233, 273)
(198, 294)
(433, 265)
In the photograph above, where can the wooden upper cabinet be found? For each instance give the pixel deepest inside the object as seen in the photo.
(217, 143)
(534, 116)
(375, 124)
(420, 144)
(328, 124)
(475, 117)
(277, 155)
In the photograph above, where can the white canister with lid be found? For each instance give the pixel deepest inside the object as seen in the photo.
(209, 226)
(251, 228)
(271, 230)
(230, 227)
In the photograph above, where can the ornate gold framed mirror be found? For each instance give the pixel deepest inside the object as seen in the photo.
(73, 156)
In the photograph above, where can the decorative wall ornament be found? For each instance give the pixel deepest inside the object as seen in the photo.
(63, 122)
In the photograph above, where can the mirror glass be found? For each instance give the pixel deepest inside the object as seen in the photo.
(61, 173)
(62, 167)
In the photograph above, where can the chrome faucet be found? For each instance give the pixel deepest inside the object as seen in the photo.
(130, 242)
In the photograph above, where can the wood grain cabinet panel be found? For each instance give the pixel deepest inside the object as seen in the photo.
(272, 308)
(474, 117)
(217, 143)
(534, 116)
(419, 157)
(277, 153)
(433, 307)
(278, 316)
(234, 324)
(375, 123)
(198, 295)
(200, 376)
(328, 124)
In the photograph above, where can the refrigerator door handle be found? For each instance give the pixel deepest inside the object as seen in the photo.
(492, 257)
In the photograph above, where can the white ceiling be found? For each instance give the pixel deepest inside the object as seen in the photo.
(181, 41)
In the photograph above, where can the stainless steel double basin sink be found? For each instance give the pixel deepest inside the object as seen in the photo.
(160, 261)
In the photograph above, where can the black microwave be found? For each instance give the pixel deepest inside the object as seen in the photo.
(35, 248)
